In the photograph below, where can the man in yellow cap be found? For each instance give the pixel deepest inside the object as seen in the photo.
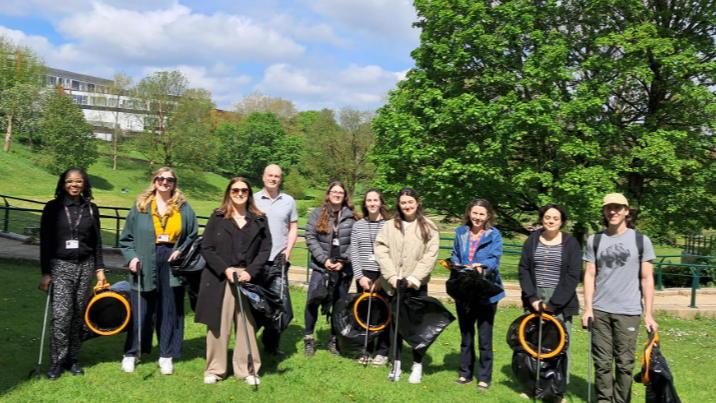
(619, 274)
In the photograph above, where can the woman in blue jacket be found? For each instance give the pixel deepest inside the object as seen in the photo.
(478, 244)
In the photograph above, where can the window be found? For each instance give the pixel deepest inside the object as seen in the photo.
(90, 87)
(76, 85)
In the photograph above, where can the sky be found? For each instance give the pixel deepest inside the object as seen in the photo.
(316, 53)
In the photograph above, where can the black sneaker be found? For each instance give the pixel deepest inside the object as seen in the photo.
(275, 352)
(309, 346)
(55, 371)
(333, 346)
(74, 367)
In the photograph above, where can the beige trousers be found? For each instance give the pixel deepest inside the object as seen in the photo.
(217, 340)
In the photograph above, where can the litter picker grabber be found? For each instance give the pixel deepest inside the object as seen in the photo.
(539, 351)
(396, 347)
(37, 372)
(139, 312)
(590, 327)
(366, 354)
(246, 331)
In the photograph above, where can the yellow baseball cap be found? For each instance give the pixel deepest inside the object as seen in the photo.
(615, 198)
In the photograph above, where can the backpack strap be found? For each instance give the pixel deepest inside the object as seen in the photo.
(640, 244)
(595, 247)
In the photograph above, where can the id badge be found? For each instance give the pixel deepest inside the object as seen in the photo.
(336, 242)
(371, 257)
(163, 238)
(72, 244)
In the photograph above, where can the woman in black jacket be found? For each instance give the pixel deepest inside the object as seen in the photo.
(236, 240)
(328, 237)
(70, 255)
(550, 268)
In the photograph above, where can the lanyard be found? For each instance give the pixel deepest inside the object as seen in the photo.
(73, 228)
(337, 223)
(371, 236)
(165, 217)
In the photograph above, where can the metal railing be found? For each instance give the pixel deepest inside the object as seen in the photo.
(513, 249)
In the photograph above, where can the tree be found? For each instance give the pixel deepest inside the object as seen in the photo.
(195, 144)
(524, 103)
(120, 87)
(21, 74)
(261, 103)
(295, 184)
(69, 140)
(258, 141)
(339, 150)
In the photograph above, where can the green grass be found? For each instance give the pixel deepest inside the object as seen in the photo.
(688, 345)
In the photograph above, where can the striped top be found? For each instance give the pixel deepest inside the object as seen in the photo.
(362, 240)
(548, 264)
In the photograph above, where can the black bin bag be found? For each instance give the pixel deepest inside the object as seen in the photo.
(470, 288)
(655, 374)
(271, 279)
(422, 318)
(350, 320)
(265, 304)
(523, 338)
(325, 291)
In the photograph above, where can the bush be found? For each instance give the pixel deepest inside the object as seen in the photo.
(295, 185)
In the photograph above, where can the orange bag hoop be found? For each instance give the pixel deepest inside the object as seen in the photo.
(526, 346)
(649, 345)
(107, 294)
(363, 325)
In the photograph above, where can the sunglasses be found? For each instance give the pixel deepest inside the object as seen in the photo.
(238, 191)
(168, 180)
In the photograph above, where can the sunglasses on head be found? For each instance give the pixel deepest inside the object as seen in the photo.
(168, 180)
(238, 191)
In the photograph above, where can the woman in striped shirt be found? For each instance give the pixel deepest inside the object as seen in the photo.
(549, 270)
(365, 268)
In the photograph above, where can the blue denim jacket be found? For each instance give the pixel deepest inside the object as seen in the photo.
(488, 253)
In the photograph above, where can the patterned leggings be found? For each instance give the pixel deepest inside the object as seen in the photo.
(70, 292)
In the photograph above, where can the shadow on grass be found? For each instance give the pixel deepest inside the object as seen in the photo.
(577, 384)
(196, 186)
(100, 183)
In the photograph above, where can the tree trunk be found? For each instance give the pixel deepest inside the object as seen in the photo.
(151, 166)
(29, 136)
(8, 135)
(581, 233)
(114, 146)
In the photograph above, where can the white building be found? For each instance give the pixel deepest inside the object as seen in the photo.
(102, 109)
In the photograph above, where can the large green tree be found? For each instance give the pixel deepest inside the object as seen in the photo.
(21, 77)
(68, 140)
(525, 102)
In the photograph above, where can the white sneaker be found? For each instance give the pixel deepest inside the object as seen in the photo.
(128, 364)
(253, 380)
(209, 379)
(165, 365)
(416, 375)
(379, 361)
(395, 373)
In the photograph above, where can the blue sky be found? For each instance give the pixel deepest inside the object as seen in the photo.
(317, 53)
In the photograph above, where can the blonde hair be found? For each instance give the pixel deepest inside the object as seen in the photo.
(176, 201)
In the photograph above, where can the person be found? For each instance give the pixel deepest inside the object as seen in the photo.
(365, 267)
(406, 249)
(282, 214)
(158, 226)
(619, 273)
(237, 240)
(328, 237)
(549, 272)
(478, 244)
(70, 255)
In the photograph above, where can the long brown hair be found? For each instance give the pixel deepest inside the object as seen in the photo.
(491, 222)
(227, 205)
(322, 226)
(176, 201)
(399, 217)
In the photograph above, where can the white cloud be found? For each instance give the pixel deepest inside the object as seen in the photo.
(55, 7)
(387, 19)
(174, 35)
(305, 30)
(361, 87)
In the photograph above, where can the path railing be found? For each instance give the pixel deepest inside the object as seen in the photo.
(695, 269)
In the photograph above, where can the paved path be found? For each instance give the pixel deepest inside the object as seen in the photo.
(674, 301)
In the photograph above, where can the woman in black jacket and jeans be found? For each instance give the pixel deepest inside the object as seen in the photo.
(550, 268)
(328, 237)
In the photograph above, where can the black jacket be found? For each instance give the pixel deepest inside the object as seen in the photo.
(218, 249)
(320, 244)
(55, 231)
(565, 295)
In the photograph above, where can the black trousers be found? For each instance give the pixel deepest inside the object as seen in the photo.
(163, 307)
(310, 315)
(381, 345)
(484, 316)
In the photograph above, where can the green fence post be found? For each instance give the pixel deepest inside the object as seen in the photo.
(308, 266)
(659, 277)
(7, 215)
(116, 231)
